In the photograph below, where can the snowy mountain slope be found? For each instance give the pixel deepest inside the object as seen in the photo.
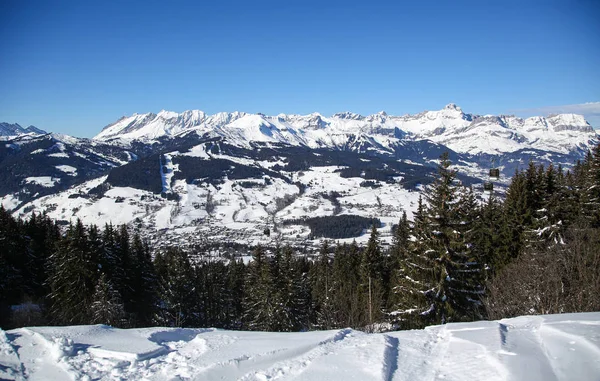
(461, 132)
(552, 347)
(218, 192)
(8, 129)
(191, 191)
(35, 165)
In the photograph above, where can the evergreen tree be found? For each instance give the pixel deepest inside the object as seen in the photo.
(591, 188)
(125, 269)
(491, 236)
(259, 301)
(372, 277)
(347, 297)
(518, 213)
(401, 240)
(143, 283)
(177, 291)
(441, 280)
(234, 308)
(296, 304)
(13, 259)
(107, 307)
(321, 284)
(71, 278)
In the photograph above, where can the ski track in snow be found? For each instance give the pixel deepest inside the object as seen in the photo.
(553, 347)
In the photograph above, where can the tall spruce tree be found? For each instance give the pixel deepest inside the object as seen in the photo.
(322, 284)
(72, 278)
(441, 280)
(143, 283)
(107, 307)
(372, 278)
(347, 297)
(591, 188)
(259, 301)
(177, 290)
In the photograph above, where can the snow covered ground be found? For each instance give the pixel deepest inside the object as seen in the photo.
(553, 347)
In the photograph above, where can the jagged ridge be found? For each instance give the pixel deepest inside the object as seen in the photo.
(459, 131)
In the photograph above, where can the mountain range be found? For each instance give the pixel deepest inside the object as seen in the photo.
(459, 131)
(7, 129)
(240, 179)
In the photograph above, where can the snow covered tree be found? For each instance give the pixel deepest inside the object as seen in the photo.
(107, 307)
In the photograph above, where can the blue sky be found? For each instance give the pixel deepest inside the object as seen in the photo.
(74, 67)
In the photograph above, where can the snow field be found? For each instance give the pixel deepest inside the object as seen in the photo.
(552, 347)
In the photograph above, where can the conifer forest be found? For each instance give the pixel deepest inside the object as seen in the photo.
(533, 250)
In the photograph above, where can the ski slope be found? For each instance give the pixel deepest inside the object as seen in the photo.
(552, 347)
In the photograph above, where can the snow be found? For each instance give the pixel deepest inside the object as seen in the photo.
(459, 131)
(45, 181)
(59, 154)
(166, 172)
(9, 201)
(72, 171)
(551, 347)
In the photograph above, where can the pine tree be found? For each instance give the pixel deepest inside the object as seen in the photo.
(107, 307)
(518, 214)
(491, 236)
(177, 290)
(143, 283)
(401, 240)
(291, 289)
(71, 278)
(321, 283)
(347, 298)
(125, 269)
(13, 258)
(259, 301)
(591, 188)
(234, 309)
(372, 285)
(440, 281)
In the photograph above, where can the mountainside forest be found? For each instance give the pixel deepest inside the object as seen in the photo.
(537, 251)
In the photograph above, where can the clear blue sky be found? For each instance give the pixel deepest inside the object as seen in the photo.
(74, 67)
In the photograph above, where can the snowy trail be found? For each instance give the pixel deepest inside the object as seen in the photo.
(166, 172)
(553, 347)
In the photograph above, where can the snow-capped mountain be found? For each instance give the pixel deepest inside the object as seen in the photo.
(191, 177)
(8, 129)
(461, 132)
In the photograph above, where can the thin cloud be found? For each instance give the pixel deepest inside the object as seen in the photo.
(590, 110)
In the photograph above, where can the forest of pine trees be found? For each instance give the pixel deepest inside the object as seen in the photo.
(536, 251)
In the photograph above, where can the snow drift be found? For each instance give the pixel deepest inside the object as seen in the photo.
(552, 347)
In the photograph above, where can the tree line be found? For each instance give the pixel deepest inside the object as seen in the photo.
(458, 259)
